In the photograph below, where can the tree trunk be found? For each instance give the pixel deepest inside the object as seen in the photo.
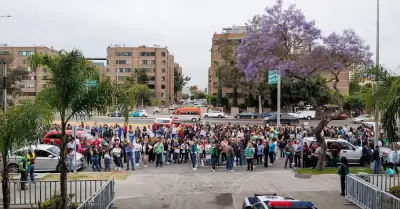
(63, 166)
(235, 96)
(260, 104)
(5, 183)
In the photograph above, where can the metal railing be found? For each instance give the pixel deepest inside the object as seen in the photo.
(102, 199)
(368, 196)
(383, 181)
(40, 191)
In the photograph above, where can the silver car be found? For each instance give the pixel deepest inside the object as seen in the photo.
(47, 157)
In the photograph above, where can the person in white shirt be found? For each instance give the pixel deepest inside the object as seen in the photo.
(137, 148)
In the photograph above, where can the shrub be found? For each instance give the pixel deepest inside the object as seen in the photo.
(55, 201)
(395, 191)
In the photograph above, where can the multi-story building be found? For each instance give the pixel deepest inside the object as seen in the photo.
(36, 79)
(157, 61)
(234, 34)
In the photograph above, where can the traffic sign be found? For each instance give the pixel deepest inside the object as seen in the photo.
(273, 77)
(91, 83)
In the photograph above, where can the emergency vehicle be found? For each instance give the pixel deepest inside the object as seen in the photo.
(272, 201)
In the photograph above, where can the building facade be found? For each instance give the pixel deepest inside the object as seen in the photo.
(233, 34)
(157, 61)
(17, 58)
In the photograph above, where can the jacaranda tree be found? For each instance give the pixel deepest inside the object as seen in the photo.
(288, 42)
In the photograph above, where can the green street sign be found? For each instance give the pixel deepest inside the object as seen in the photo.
(91, 83)
(273, 77)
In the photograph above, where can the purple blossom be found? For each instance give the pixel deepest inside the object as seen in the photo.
(284, 39)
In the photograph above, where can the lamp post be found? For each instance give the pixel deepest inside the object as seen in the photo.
(376, 111)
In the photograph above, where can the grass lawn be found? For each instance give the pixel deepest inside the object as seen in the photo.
(311, 171)
(89, 176)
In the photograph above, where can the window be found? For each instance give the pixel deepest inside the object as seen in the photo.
(151, 86)
(108, 53)
(29, 85)
(41, 153)
(28, 94)
(121, 70)
(122, 78)
(215, 63)
(25, 53)
(108, 70)
(150, 70)
(162, 78)
(162, 94)
(20, 153)
(44, 70)
(123, 62)
(164, 61)
(147, 54)
(162, 70)
(108, 62)
(5, 52)
(152, 78)
(163, 103)
(147, 62)
(162, 86)
(163, 54)
(345, 146)
(29, 69)
(119, 54)
(258, 206)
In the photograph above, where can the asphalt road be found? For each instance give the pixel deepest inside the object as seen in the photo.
(149, 120)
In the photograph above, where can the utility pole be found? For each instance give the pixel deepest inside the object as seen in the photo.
(278, 102)
(5, 88)
(376, 110)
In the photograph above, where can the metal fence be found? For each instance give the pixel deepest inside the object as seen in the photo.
(102, 199)
(367, 195)
(383, 181)
(40, 191)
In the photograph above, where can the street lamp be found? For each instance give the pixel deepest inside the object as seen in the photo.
(5, 77)
(376, 111)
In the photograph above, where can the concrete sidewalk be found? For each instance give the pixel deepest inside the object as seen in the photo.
(223, 189)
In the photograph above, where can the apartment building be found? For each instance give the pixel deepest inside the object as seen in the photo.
(233, 34)
(17, 56)
(157, 61)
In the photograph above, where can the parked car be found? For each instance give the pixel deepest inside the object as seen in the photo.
(362, 118)
(167, 121)
(268, 114)
(284, 119)
(251, 115)
(352, 153)
(139, 113)
(272, 201)
(342, 116)
(173, 107)
(115, 114)
(47, 157)
(306, 114)
(214, 114)
(56, 135)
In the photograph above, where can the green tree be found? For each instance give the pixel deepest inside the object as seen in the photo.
(200, 95)
(139, 76)
(355, 102)
(140, 94)
(14, 85)
(67, 94)
(35, 118)
(193, 89)
(180, 81)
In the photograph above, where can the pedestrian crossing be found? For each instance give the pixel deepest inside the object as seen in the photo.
(90, 123)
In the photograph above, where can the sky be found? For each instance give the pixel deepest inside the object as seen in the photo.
(185, 26)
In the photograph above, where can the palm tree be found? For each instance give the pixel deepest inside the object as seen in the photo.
(35, 118)
(68, 94)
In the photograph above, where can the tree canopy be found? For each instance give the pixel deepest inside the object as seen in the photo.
(180, 81)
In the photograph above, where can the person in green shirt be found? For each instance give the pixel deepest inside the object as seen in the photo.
(249, 154)
(158, 149)
(213, 153)
(343, 170)
(23, 169)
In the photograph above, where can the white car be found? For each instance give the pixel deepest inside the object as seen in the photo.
(47, 157)
(362, 118)
(172, 107)
(351, 152)
(214, 114)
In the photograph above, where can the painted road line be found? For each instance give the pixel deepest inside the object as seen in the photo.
(100, 123)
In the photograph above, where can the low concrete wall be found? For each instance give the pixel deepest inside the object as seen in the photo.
(251, 109)
(234, 110)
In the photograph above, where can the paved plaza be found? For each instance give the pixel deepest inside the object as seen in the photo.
(180, 188)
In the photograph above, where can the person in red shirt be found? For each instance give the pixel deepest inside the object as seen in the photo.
(125, 130)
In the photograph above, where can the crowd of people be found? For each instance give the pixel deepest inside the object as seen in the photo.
(214, 145)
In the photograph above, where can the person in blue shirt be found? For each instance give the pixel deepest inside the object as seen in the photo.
(271, 153)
